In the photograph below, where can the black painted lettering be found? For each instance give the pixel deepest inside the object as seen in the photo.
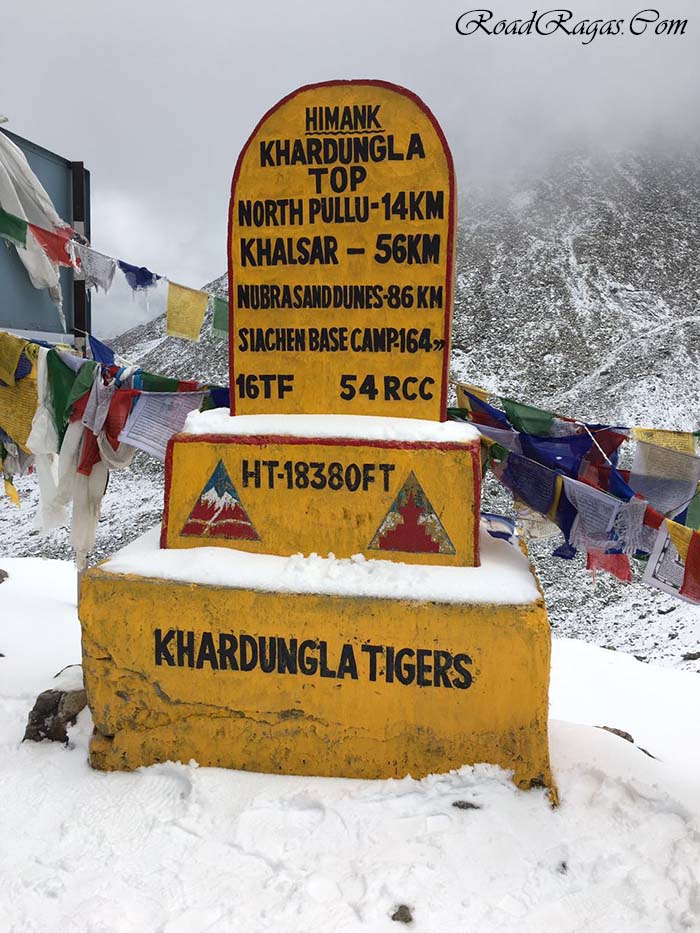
(465, 677)
(248, 652)
(185, 648)
(405, 672)
(324, 670)
(207, 652)
(228, 645)
(373, 651)
(348, 664)
(287, 656)
(442, 662)
(161, 647)
(307, 665)
(267, 651)
(423, 668)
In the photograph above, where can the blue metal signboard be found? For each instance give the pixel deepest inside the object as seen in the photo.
(23, 307)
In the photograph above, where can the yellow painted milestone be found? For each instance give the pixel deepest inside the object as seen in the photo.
(341, 232)
(312, 684)
(412, 502)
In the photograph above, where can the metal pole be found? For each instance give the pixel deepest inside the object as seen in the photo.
(81, 224)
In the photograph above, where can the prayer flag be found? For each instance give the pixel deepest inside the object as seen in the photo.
(219, 326)
(462, 388)
(13, 228)
(101, 353)
(185, 312)
(527, 418)
(54, 243)
(682, 441)
(96, 270)
(681, 537)
(616, 564)
(691, 578)
(11, 348)
(138, 276)
(11, 491)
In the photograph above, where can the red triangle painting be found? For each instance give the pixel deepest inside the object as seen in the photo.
(412, 525)
(218, 512)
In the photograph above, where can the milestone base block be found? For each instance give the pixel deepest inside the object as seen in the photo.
(312, 684)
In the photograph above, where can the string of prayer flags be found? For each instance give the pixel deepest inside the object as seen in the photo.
(54, 243)
(185, 312)
(13, 228)
(219, 327)
(138, 277)
(95, 269)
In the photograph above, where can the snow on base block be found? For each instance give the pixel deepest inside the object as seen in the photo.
(268, 492)
(314, 683)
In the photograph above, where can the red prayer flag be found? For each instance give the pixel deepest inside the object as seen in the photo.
(691, 579)
(89, 453)
(119, 409)
(54, 243)
(616, 564)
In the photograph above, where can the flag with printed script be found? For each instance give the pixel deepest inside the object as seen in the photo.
(185, 312)
(219, 326)
(13, 228)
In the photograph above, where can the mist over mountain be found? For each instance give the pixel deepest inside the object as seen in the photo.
(577, 289)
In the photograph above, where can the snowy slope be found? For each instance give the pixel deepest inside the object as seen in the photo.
(182, 849)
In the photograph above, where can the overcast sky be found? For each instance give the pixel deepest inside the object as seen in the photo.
(158, 96)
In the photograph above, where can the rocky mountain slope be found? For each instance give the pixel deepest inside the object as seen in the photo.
(578, 289)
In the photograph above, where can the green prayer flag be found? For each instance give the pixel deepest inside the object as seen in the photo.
(66, 388)
(61, 379)
(13, 228)
(152, 382)
(219, 326)
(82, 383)
(527, 419)
(693, 517)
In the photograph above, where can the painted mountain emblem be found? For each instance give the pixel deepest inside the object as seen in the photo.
(218, 511)
(412, 525)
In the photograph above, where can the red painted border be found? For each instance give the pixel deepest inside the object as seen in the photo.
(476, 473)
(449, 277)
(168, 479)
(296, 440)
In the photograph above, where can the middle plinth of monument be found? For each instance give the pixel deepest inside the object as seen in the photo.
(389, 488)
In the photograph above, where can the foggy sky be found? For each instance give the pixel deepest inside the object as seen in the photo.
(158, 96)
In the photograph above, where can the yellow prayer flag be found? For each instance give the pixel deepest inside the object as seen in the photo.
(682, 441)
(462, 397)
(681, 537)
(10, 351)
(11, 492)
(17, 406)
(185, 312)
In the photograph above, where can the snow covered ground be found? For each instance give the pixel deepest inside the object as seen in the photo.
(181, 849)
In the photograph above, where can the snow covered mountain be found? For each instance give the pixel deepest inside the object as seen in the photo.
(578, 289)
